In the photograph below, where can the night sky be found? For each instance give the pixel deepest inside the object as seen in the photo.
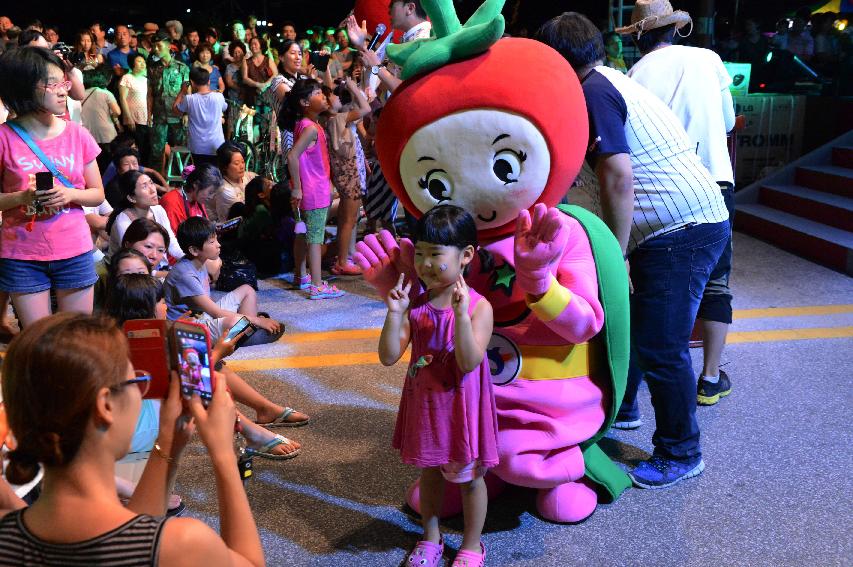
(73, 15)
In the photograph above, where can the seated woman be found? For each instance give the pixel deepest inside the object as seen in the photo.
(140, 202)
(134, 296)
(232, 165)
(189, 201)
(75, 369)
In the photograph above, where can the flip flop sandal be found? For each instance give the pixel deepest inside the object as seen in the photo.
(281, 420)
(177, 510)
(467, 558)
(425, 554)
(265, 451)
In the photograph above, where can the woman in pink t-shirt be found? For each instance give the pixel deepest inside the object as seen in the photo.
(44, 241)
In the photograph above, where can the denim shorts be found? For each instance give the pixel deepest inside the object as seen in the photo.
(34, 276)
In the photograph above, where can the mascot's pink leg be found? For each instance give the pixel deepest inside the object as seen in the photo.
(452, 496)
(567, 503)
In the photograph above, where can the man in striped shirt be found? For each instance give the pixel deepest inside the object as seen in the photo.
(670, 219)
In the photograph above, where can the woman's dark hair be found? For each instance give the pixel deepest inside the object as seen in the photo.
(29, 67)
(133, 296)
(210, 32)
(575, 37)
(131, 59)
(254, 188)
(204, 175)
(204, 46)
(140, 229)
(124, 254)
(225, 152)
(52, 374)
(28, 36)
(99, 77)
(93, 50)
(654, 37)
(262, 42)
(232, 46)
(291, 108)
(127, 185)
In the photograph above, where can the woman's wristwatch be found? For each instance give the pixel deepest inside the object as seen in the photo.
(376, 68)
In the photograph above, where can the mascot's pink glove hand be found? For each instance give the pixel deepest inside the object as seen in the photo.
(382, 260)
(539, 245)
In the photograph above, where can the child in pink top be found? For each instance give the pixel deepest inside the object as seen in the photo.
(308, 163)
(447, 423)
(45, 242)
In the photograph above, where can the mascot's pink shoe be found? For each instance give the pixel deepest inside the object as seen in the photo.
(567, 503)
(452, 504)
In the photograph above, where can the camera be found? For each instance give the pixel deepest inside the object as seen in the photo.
(62, 49)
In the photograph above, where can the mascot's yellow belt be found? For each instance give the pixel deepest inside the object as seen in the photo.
(556, 362)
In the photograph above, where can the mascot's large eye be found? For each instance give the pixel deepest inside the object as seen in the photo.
(438, 184)
(507, 165)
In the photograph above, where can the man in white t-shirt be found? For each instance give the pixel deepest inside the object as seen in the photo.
(667, 213)
(694, 84)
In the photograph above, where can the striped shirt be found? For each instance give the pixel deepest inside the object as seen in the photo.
(672, 189)
(135, 543)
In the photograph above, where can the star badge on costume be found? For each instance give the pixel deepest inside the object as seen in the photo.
(504, 279)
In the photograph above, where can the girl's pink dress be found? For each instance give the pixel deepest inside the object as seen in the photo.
(445, 416)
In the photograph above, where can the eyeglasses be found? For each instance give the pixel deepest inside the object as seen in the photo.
(58, 86)
(142, 381)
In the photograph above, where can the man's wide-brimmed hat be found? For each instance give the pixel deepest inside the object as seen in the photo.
(651, 14)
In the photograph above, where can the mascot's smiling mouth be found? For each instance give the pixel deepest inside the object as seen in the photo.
(490, 219)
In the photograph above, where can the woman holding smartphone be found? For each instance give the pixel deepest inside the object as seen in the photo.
(86, 359)
(44, 241)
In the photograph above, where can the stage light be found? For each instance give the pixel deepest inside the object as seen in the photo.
(769, 56)
(188, 10)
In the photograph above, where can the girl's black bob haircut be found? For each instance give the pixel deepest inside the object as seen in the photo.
(29, 66)
(447, 225)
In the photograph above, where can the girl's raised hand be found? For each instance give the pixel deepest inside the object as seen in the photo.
(398, 298)
(461, 298)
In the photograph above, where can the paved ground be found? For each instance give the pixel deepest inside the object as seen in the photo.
(776, 490)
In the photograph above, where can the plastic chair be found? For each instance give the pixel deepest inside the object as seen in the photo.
(179, 158)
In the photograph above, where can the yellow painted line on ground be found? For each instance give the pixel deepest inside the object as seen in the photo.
(373, 333)
(789, 335)
(364, 358)
(314, 361)
(792, 311)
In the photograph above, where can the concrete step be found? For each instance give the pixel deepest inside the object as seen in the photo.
(829, 178)
(842, 156)
(814, 241)
(825, 208)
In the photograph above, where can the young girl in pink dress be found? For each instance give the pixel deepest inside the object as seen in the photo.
(446, 424)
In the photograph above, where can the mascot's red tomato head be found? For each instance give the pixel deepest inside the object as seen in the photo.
(374, 12)
(493, 134)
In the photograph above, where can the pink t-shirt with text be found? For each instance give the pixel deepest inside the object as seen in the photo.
(59, 233)
(314, 171)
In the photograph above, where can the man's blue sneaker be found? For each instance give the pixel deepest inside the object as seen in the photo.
(659, 472)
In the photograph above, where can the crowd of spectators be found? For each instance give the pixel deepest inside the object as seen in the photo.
(121, 234)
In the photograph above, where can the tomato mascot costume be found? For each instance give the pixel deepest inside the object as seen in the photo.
(499, 127)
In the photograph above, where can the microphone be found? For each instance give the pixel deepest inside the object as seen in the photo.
(380, 29)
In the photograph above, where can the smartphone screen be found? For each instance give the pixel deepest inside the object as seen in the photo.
(44, 181)
(320, 62)
(193, 362)
(238, 328)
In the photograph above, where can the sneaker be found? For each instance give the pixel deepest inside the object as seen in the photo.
(708, 394)
(325, 291)
(627, 424)
(658, 472)
(302, 283)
